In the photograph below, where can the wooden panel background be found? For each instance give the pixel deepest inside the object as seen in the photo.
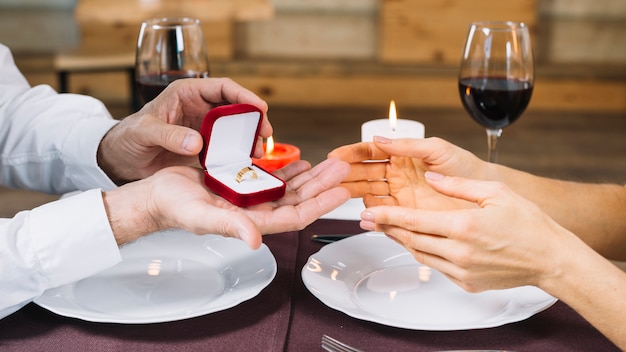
(365, 52)
(415, 31)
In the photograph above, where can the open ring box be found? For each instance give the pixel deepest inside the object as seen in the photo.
(230, 134)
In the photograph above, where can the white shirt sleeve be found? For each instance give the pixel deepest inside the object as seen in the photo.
(48, 142)
(52, 245)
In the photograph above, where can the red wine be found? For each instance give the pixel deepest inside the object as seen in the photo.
(495, 102)
(149, 86)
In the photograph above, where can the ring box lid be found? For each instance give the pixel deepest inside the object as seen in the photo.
(230, 134)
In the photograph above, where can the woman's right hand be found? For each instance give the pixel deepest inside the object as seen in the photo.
(400, 180)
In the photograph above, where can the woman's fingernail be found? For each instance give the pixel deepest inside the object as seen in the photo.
(433, 176)
(382, 140)
(367, 226)
(367, 216)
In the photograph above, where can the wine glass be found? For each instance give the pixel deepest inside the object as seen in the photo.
(496, 76)
(168, 49)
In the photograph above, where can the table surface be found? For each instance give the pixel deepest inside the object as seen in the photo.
(285, 316)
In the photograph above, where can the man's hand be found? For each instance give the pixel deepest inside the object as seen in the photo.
(165, 131)
(176, 197)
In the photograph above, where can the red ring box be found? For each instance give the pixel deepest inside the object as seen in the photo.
(230, 134)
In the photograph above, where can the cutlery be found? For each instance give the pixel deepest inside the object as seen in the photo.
(332, 345)
(328, 238)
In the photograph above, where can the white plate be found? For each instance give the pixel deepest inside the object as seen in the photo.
(350, 210)
(371, 277)
(167, 276)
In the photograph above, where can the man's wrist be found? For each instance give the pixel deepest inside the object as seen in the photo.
(103, 155)
(128, 213)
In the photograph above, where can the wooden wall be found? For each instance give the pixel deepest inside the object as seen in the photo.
(366, 52)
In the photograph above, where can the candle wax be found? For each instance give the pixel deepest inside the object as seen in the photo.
(381, 127)
(282, 155)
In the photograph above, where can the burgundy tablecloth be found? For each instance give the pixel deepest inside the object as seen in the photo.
(286, 317)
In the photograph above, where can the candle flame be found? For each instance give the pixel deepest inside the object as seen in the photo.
(269, 145)
(393, 118)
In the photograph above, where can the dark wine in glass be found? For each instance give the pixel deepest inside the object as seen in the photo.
(496, 77)
(168, 49)
(495, 102)
(150, 86)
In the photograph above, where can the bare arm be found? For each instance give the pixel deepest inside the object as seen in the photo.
(592, 286)
(507, 241)
(595, 212)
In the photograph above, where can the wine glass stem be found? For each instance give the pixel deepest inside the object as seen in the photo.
(492, 144)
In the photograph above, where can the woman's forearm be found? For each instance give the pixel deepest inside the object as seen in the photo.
(592, 286)
(595, 212)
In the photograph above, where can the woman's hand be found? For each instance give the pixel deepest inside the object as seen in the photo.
(505, 241)
(399, 178)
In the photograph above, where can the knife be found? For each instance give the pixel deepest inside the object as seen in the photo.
(329, 238)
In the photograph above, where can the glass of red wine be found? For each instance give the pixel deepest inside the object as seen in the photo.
(496, 77)
(168, 49)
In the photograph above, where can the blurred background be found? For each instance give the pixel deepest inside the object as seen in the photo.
(327, 66)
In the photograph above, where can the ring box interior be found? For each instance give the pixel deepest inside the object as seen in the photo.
(230, 134)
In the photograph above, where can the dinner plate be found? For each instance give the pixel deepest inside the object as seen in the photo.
(350, 210)
(370, 277)
(166, 276)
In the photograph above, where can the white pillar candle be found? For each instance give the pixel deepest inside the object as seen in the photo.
(392, 127)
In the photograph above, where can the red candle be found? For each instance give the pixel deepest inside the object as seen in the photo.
(277, 155)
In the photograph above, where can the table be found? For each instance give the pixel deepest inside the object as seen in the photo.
(285, 316)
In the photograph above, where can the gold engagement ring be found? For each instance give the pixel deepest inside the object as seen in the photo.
(245, 171)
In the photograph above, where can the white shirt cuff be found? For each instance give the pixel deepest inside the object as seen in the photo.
(80, 154)
(81, 242)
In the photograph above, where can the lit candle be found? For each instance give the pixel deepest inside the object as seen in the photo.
(391, 127)
(277, 155)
